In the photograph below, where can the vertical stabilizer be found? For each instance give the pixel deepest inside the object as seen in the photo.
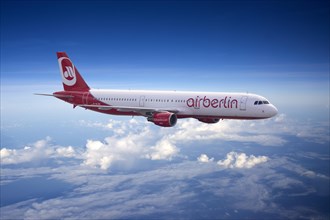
(71, 78)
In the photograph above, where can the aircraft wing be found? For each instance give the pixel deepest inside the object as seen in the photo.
(141, 110)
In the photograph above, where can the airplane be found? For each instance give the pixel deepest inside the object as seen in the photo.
(163, 108)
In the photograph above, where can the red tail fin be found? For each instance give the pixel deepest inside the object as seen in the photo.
(71, 78)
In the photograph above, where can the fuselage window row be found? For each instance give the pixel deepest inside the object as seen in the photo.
(147, 100)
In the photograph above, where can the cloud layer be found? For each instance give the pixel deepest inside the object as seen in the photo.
(143, 171)
(174, 190)
(134, 140)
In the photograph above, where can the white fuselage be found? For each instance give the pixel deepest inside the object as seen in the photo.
(163, 108)
(191, 104)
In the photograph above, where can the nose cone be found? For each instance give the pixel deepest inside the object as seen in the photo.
(273, 111)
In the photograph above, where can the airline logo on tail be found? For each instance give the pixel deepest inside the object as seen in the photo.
(68, 71)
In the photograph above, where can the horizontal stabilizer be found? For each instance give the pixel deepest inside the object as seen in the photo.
(55, 95)
(43, 94)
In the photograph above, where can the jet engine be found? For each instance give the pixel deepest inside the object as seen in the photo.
(163, 119)
(209, 120)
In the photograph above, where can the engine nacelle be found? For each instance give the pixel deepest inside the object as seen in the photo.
(209, 120)
(163, 119)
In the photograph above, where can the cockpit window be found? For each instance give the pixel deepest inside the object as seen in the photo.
(261, 102)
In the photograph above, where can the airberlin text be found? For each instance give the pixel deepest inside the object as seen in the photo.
(225, 102)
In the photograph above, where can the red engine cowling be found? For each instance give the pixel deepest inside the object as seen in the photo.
(209, 120)
(163, 119)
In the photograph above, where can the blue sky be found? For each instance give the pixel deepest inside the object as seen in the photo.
(102, 166)
(276, 48)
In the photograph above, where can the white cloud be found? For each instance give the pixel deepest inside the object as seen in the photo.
(116, 126)
(41, 149)
(203, 158)
(133, 139)
(241, 160)
(166, 191)
(135, 144)
(98, 154)
(98, 195)
(280, 118)
(123, 146)
(263, 132)
(164, 150)
(191, 130)
(35, 151)
(7, 156)
(4, 152)
(66, 151)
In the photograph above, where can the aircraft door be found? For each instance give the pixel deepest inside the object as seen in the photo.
(141, 103)
(85, 98)
(243, 103)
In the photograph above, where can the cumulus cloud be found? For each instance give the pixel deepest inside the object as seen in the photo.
(203, 158)
(41, 149)
(165, 189)
(127, 143)
(35, 151)
(133, 139)
(139, 139)
(98, 154)
(263, 132)
(4, 152)
(135, 144)
(130, 141)
(241, 160)
(191, 130)
(66, 151)
(164, 150)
